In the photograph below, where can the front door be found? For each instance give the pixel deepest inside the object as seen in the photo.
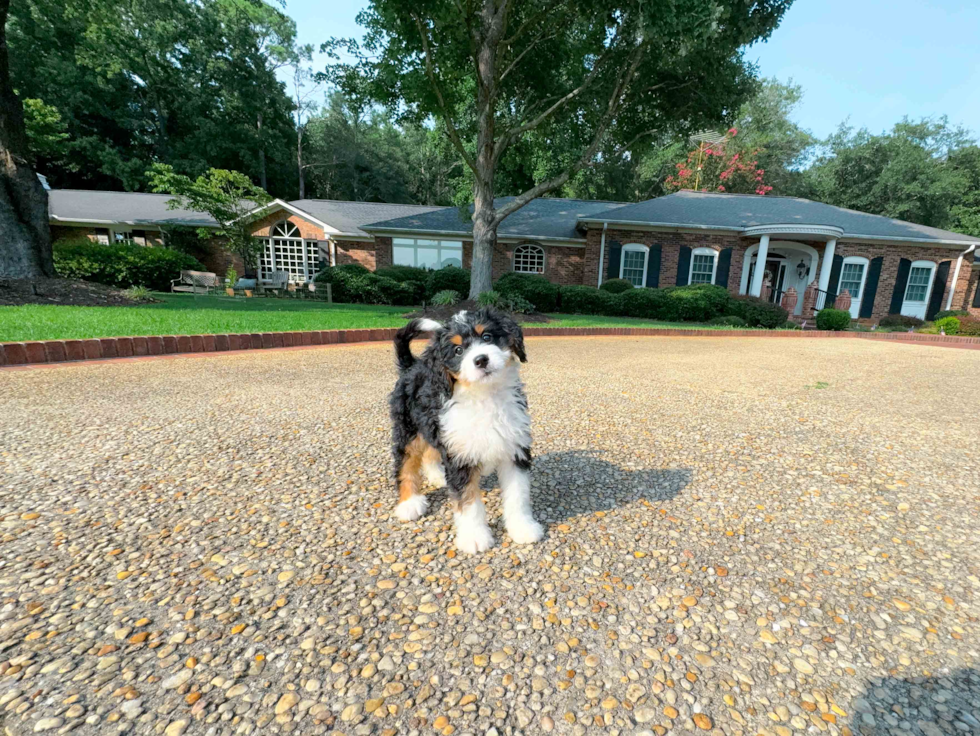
(776, 274)
(917, 290)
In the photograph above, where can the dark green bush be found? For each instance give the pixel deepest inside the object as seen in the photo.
(731, 320)
(445, 298)
(698, 303)
(416, 278)
(833, 319)
(536, 289)
(643, 303)
(450, 278)
(616, 286)
(585, 300)
(517, 304)
(758, 312)
(900, 320)
(951, 313)
(489, 299)
(122, 266)
(354, 284)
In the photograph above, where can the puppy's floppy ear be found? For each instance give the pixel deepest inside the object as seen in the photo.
(516, 337)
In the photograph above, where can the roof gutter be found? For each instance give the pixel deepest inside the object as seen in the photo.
(602, 251)
(460, 234)
(956, 274)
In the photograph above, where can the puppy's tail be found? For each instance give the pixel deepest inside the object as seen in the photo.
(404, 336)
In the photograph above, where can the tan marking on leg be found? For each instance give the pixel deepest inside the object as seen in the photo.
(409, 476)
(431, 455)
(471, 492)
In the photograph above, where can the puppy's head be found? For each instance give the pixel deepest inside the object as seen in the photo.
(479, 347)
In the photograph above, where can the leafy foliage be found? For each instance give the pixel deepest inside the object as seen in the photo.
(586, 300)
(698, 303)
(645, 303)
(451, 277)
(758, 312)
(445, 298)
(900, 320)
(616, 286)
(949, 325)
(969, 327)
(47, 134)
(731, 320)
(489, 299)
(716, 168)
(536, 289)
(354, 284)
(122, 266)
(833, 319)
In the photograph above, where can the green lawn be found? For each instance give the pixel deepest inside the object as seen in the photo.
(186, 314)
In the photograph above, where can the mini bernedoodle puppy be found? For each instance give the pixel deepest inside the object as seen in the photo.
(459, 412)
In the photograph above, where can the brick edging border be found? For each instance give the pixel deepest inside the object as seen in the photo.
(59, 351)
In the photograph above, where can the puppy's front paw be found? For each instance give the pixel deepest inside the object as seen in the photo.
(525, 531)
(412, 508)
(474, 538)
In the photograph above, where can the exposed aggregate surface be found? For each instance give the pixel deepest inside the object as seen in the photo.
(748, 536)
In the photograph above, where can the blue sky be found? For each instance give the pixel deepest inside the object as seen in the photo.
(866, 61)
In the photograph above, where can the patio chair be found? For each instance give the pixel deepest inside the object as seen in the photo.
(195, 282)
(276, 282)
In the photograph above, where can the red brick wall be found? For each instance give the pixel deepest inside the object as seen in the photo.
(965, 301)
(562, 264)
(307, 229)
(362, 252)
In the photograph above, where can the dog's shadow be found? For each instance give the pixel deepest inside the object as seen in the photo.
(573, 483)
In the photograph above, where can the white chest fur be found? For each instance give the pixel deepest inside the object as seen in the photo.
(484, 425)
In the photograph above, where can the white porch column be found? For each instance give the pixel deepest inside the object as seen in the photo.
(828, 263)
(755, 288)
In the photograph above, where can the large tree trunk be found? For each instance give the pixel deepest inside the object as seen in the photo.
(25, 236)
(484, 240)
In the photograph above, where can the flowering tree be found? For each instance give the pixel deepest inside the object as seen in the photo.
(720, 167)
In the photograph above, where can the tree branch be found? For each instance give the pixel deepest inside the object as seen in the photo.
(535, 42)
(447, 115)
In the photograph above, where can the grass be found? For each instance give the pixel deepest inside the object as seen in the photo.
(187, 314)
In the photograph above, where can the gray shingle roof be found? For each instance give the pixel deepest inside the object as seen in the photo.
(740, 211)
(541, 218)
(132, 208)
(350, 217)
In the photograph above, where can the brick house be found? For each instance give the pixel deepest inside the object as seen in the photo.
(886, 265)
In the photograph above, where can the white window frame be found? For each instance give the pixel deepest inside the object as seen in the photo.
(855, 303)
(290, 232)
(635, 248)
(533, 246)
(426, 243)
(714, 264)
(916, 311)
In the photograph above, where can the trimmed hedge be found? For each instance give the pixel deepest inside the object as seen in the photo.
(950, 325)
(354, 284)
(616, 286)
(833, 319)
(642, 303)
(699, 303)
(586, 300)
(122, 265)
(969, 327)
(450, 278)
(731, 320)
(536, 289)
(758, 312)
(900, 320)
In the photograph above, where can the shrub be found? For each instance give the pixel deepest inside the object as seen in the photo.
(536, 289)
(951, 313)
(616, 286)
(137, 293)
(643, 303)
(900, 320)
(516, 304)
(122, 266)
(758, 312)
(231, 276)
(354, 284)
(586, 300)
(698, 303)
(445, 298)
(951, 325)
(401, 274)
(833, 319)
(970, 327)
(791, 325)
(489, 299)
(731, 320)
(451, 277)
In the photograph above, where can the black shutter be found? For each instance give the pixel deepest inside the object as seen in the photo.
(724, 266)
(653, 267)
(938, 290)
(683, 265)
(612, 268)
(871, 287)
(901, 282)
(976, 295)
(835, 268)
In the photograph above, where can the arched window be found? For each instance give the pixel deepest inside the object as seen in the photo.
(633, 264)
(704, 263)
(529, 258)
(286, 229)
(285, 250)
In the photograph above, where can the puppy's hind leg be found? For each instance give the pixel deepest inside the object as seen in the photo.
(472, 533)
(432, 468)
(408, 460)
(515, 487)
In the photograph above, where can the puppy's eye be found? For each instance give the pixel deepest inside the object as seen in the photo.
(486, 337)
(458, 351)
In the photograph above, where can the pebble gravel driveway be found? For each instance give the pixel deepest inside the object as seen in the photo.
(744, 536)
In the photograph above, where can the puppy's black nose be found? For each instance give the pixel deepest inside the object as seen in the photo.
(481, 361)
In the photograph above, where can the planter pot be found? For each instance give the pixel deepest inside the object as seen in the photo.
(230, 292)
(248, 292)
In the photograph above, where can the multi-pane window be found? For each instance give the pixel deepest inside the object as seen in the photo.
(702, 268)
(529, 258)
(634, 266)
(424, 253)
(918, 284)
(852, 279)
(287, 251)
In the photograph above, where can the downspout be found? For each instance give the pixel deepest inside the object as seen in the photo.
(602, 251)
(956, 275)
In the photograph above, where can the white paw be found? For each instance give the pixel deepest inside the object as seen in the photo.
(525, 531)
(412, 508)
(474, 538)
(434, 474)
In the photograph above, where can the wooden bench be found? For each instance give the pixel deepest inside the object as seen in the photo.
(195, 282)
(276, 282)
